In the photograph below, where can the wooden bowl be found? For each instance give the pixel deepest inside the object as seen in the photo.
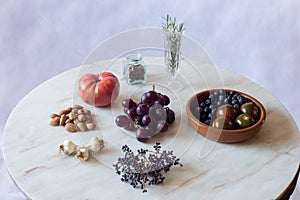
(223, 135)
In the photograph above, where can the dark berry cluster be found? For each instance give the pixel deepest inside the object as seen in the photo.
(146, 167)
(235, 99)
(207, 109)
(227, 110)
(148, 117)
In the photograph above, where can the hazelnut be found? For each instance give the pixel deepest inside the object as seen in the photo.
(52, 116)
(77, 107)
(64, 112)
(74, 110)
(72, 115)
(90, 126)
(88, 119)
(87, 112)
(81, 126)
(68, 121)
(63, 119)
(81, 118)
(80, 112)
(76, 121)
(70, 127)
(55, 121)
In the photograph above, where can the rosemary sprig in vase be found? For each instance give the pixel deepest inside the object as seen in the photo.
(173, 33)
(170, 25)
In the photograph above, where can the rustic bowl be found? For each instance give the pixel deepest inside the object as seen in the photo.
(223, 135)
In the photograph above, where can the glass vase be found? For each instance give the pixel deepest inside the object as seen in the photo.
(172, 58)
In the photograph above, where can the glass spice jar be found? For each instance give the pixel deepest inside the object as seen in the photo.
(135, 69)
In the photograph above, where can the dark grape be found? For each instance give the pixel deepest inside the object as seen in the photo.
(141, 134)
(203, 117)
(152, 109)
(146, 120)
(232, 92)
(160, 113)
(157, 112)
(212, 106)
(202, 105)
(162, 126)
(133, 105)
(234, 101)
(152, 95)
(235, 96)
(207, 110)
(146, 99)
(131, 113)
(227, 100)
(151, 130)
(166, 100)
(207, 102)
(122, 120)
(159, 101)
(170, 116)
(128, 103)
(236, 106)
(130, 126)
(142, 109)
(241, 101)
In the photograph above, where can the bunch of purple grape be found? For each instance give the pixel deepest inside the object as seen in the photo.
(148, 117)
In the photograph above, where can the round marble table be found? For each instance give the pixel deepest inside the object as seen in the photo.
(260, 168)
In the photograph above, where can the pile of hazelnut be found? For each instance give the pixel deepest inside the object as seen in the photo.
(74, 119)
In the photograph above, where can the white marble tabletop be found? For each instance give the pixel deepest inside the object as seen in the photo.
(260, 168)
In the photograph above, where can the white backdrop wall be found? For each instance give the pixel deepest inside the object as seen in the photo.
(259, 39)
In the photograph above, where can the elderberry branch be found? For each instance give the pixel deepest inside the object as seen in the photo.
(145, 167)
